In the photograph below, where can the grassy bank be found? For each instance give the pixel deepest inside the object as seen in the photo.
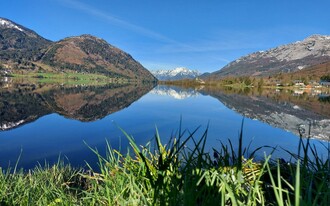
(172, 174)
(67, 78)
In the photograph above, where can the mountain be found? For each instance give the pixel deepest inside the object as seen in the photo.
(90, 54)
(283, 59)
(314, 72)
(23, 50)
(19, 44)
(176, 74)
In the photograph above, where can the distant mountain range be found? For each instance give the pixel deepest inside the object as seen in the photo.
(293, 57)
(176, 74)
(23, 50)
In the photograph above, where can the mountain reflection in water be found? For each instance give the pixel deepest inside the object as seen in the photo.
(283, 109)
(50, 112)
(175, 92)
(23, 103)
(280, 108)
(289, 110)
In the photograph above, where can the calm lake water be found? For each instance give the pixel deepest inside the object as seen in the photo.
(43, 122)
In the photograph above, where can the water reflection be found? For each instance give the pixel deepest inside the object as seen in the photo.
(175, 92)
(22, 103)
(95, 109)
(284, 109)
(291, 110)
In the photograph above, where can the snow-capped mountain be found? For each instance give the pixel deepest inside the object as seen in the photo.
(18, 45)
(283, 59)
(8, 24)
(8, 27)
(22, 49)
(176, 74)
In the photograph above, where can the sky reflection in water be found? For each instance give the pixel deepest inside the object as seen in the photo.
(53, 135)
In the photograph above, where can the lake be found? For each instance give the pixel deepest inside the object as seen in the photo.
(44, 122)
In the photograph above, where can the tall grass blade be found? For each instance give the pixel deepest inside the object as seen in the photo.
(131, 141)
(297, 185)
(276, 189)
(18, 159)
(240, 145)
(279, 184)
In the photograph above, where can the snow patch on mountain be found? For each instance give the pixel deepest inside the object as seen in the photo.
(8, 24)
(314, 45)
(176, 74)
(291, 57)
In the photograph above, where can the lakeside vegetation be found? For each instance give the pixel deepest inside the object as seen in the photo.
(309, 78)
(273, 82)
(67, 78)
(172, 174)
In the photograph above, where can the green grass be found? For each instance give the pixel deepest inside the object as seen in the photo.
(173, 174)
(68, 78)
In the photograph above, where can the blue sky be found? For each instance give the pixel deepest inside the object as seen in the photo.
(202, 35)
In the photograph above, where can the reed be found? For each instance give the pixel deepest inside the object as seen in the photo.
(173, 174)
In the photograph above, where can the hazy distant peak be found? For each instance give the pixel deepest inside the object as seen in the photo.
(180, 69)
(175, 74)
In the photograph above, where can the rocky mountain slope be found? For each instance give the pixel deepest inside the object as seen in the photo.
(22, 50)
(19, 44)
(176, 74)
(90, 54)
(283, 59)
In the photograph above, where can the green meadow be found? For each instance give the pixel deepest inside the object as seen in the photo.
(68, 78)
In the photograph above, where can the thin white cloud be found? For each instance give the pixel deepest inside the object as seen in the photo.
(234, 40)
(221, 59)
(219, 42)
(171, 45)
(115, 20)
(159, 65)
(215, 46)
